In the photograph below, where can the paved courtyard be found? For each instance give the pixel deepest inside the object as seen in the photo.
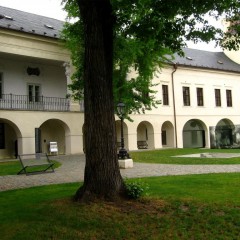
(72, 170)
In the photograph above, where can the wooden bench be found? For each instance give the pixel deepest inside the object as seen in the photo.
(142, 144)
(35, 163)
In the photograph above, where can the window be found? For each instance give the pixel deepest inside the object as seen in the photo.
(218, 97)
(2, 136)
(165, 94)
(186, 96)
(34, 93)
(229, 98)
(199, 96)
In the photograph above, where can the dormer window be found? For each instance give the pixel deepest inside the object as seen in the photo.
(5, 16)
(48, 26)
(220, 62)
(189, 58)
(8, 17)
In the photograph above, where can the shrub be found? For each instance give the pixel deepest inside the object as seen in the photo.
(136, 189)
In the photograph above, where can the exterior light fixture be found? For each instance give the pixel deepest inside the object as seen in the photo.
(122, 154)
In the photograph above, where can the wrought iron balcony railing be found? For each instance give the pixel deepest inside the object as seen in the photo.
(34, 103)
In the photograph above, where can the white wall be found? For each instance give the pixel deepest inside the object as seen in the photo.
(52, 77)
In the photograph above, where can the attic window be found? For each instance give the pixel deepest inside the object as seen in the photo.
(189, 58)
(1, 16)
(220, 62)
(49, 26)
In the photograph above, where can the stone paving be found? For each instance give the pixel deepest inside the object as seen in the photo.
(72, 170)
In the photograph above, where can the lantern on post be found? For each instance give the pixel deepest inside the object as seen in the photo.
(122, 154)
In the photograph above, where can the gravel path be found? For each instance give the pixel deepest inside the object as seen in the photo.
(72, 170)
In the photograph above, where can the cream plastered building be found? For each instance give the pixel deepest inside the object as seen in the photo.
(200, 104)
(35, 70)
(199, 96)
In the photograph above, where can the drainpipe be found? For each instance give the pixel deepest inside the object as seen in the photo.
(174, 106)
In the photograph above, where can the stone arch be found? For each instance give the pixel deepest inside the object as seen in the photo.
(167, 134)
(54, 130)
(194, 134)
(10, 139)
(224, 133)
(145, 133)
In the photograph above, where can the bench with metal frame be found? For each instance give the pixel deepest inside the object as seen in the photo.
(142, 144)
(35, 163)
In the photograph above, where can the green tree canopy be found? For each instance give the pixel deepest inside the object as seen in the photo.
(147, 33)
(114, 37)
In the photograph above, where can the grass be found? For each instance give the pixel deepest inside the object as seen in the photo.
(165, 156)
(13, 167)
(178, 207)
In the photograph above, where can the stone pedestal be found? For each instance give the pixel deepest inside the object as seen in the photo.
(125, 163)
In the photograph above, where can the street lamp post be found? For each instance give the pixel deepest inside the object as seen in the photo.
(123, 154)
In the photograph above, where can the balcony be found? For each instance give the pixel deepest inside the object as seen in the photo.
(34, 103)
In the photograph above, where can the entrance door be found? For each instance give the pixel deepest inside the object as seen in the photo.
(194, 139)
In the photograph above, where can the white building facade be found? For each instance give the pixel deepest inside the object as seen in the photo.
(199, 95)
(34, 73)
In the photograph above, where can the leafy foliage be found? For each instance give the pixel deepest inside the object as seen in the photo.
(136, 189)
(147, 32)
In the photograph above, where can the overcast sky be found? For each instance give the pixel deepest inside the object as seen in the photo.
(53, 9)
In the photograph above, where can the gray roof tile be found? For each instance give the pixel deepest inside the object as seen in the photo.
(30, 23)
(40, 25)
(206, 59)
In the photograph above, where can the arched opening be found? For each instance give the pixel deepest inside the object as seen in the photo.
(9, 135)
(53, 130)
(167, 134)
(224, 136)
(194, 134)
(145, 136)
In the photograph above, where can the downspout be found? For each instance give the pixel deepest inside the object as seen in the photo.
(174, 105)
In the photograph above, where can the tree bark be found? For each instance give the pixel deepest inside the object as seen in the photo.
(102, 175)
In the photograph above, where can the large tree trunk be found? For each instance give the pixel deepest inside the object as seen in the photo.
(102, 175)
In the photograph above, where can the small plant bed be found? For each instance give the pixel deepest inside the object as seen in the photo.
(178, 207)
(13, 167)
(183, 156)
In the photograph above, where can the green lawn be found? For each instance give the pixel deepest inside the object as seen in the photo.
(166, 156)
(178, 207)
(13, 167)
